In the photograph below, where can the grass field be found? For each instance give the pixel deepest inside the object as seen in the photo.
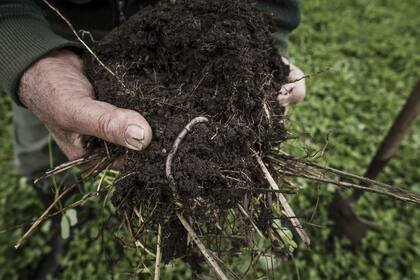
(369, 56)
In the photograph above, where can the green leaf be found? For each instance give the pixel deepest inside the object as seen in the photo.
(46, 227)
(65, 227)
(71, 214)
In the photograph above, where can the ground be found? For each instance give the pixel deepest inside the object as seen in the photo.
(368, 53)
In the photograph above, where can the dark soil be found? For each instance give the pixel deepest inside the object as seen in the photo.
(179, 61)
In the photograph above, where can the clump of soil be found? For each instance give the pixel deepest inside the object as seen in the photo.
(179, 61)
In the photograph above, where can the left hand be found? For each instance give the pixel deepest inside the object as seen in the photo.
(295, 91)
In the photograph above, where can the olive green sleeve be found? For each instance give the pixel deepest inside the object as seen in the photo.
(25, 37)
(286, 16)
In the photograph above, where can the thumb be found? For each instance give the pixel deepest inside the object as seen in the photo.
(123, 127)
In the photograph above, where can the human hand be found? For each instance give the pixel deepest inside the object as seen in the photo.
(295, 91)
(56, 90)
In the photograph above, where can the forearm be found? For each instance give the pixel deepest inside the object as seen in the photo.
(25, 37)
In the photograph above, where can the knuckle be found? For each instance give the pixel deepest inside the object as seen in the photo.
(109, 124)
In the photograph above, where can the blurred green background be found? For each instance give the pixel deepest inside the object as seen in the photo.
(371, 51)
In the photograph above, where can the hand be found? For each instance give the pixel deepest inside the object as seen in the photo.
(58, 93)
(295, 91)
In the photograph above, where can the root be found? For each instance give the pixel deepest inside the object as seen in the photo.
(288, 210)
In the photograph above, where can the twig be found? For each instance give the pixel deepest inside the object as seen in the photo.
(66, 166)
(158, 253)
(141, 245)
(209, 258)
(313, 171)
(309, 75)
(227, 267)
(289, 211)
(338, 172)
(75, 204)
(413, 199)
(262, 190)
(41, 218)
(251, 221)
(101, 181)
(92, 172)
(252, 264)
(83, 43)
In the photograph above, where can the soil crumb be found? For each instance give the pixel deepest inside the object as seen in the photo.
(179, 61)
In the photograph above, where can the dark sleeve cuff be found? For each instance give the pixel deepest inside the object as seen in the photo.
(286, 17)
(280, 41)
(25, 38)
(286, 13)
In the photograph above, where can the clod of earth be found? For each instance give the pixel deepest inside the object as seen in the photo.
(180, 61)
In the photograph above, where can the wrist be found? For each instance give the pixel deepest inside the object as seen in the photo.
(62, 56)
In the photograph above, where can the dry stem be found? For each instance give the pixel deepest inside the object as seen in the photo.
(84, 44)
(158, 253)
(91, 172)
(209, 258)
(41, 218)
(305, 169)
(68, 165)
(251, 221)
(288, 210)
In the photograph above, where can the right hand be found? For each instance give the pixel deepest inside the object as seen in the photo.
(56, 90)
(294, 91)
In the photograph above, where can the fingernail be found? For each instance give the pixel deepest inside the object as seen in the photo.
(134, 136)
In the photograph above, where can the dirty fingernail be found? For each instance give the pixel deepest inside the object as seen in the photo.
(134, 136)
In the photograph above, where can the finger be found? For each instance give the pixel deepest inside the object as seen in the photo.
(294, 91)
(72, 145)
(123, 127)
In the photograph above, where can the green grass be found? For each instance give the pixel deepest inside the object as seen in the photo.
(371, 51)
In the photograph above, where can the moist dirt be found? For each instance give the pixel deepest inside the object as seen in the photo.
(179, 61)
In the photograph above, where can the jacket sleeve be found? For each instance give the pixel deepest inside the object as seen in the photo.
(286, 16)
(25, 37)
